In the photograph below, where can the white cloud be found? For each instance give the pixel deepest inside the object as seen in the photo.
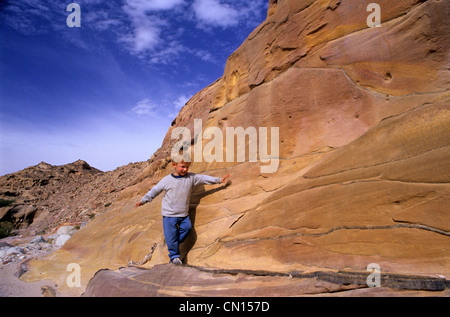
(205, 55)
(166, 55)
(181, 101)
(178, 104)
(152, 30)
(30, 17)
(145, 37)
(153, 5)
(148, 36)
(214, 13)
(144, 108)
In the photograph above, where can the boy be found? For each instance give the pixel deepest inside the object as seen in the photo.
(175, 205)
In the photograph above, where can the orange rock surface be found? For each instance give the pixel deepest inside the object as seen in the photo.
(363, 177)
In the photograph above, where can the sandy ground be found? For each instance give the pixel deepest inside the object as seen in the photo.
(12, 286)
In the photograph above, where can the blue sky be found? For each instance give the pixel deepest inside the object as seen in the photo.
(107, 91)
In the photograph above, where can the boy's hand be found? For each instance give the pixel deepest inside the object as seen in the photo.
(223, 179)
(138, 204)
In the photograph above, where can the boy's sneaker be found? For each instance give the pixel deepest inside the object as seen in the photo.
(176, 261)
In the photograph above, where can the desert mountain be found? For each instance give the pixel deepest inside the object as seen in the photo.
(363, 175)
(42, 197)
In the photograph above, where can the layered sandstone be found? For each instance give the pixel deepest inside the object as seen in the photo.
(168, 280)
(363, 117)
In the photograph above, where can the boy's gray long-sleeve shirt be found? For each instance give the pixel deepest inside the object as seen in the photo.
(177, 192)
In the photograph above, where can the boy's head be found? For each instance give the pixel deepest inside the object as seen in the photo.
(181, 168)
(181, 164)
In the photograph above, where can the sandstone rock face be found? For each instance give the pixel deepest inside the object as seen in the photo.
(363, 177)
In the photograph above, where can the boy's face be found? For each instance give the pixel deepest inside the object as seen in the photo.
(181, 168)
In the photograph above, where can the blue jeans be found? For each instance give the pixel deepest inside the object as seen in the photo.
(176, 230)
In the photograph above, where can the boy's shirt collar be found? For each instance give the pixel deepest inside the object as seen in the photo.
(178, 176)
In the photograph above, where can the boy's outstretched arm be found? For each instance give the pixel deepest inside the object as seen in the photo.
(224, 178)
(155, 191)
(201, 179)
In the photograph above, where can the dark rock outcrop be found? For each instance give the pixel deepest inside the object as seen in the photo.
(44, 196)
(169, 280)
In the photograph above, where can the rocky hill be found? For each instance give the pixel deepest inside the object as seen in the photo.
(363, 175)
(42, 197)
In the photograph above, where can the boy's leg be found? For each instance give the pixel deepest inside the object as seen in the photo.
(171, 235)
(184, 228)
